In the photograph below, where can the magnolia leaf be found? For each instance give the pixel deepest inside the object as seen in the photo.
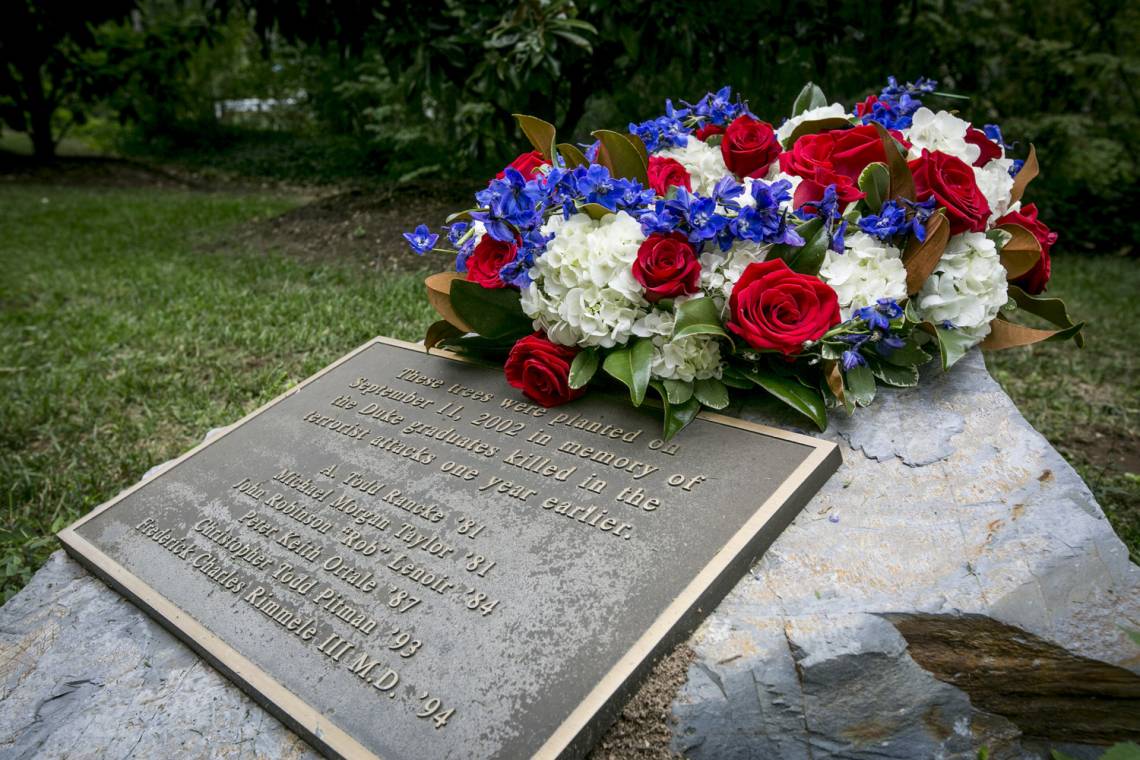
(698, 316)
(1021, 252)
(594, 210)
(630, 366)
(1052, 309)
(834, 380)
(539, 132)
(875, 182)
(677, 391)
(711, 393)
(806, 401)
(583, 367)
(860, 383)
(619, 155)
(816, 126)
(439, 296)
(1005, 334)
(1028, 171)
(491, 312)
(572, 155)
(441, 332)
(922, 258)
(639, 145)
(811, 96)
(902, 181)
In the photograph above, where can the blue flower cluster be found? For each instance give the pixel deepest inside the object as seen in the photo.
(674, 127)
(898, 217)
(721, 218)
(830, 210)
(896, 104)
(877, 333)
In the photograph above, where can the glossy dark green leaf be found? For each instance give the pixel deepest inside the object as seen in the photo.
(583, 367)
(811, 96)
(711, 393)
(678, 391)
(621, 157)
(539, 132)
(491, 312)
(572, 155)
(875, 182)
(698, 316)
(630, 366)
(859, 383)
(806, 401)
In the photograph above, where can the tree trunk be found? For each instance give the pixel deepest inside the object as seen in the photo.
(39, 110)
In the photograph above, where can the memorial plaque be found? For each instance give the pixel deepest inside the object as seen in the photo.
(402, 558)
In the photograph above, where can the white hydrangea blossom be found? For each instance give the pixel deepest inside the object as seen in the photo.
(696, 357)
(866, 271)
(996, 185)
(968, 287)
(942, 131)
(704, 163)
(584, 292)
(835, 110)
(721, 271)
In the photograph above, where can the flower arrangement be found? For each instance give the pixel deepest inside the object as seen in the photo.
(706, 251)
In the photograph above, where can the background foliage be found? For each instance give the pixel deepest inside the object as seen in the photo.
(397, 90)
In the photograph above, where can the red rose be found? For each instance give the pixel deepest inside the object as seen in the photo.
(667, 172)
(1033, 281)
(541, 370)
(488, 258)
(667, 266)
(707, 131)
(855, 149)
(990, 149)
(772, 307)
(867, 106)
(749, 147)
(951, 183)
(527, 164)
(812, 189)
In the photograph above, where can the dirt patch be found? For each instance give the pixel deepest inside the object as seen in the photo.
(644, 730)
(1106, 447)
(87, 171)
(360, 226)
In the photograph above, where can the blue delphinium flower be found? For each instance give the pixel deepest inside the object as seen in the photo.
(993, 132)
(897, 103)
(718, 107)
(852, 359)
(828, 208)
(700, 213)
(595, 185)
(1016, 167)
(661, 219)
(421, 240)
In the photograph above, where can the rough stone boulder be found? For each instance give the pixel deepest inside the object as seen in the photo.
(954, 586)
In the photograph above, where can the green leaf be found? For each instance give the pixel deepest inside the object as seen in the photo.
(895, 375)
(734, 378)
(910, 355)
(622, 158)
(630, 366)
(711, 393)
(859, 383)
(594, 210)
(806, 401)
(875, 182)
(811, 96)
(698, 316)
(572, 155)
(583, 367)
(465, 214)
(677, 416)
(1122, 751)
(539, 132)
(491, 312)
(952, 345)
(809, 258)
(677, 391)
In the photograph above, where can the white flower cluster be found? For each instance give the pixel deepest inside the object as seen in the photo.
(584, 292)
(996, 185)
(704, 163)
(696, 357)
(968, 287)
(866, 271)
(833, 111)
(942, 131)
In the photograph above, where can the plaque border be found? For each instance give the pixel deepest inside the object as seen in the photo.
(596, 712)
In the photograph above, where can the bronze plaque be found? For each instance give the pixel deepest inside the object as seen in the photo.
(403, 558)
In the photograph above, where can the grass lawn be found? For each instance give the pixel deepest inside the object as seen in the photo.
(125, 334)
(124, 339)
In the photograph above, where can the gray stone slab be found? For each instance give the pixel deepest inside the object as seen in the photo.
(798, 661)
(434, 567)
